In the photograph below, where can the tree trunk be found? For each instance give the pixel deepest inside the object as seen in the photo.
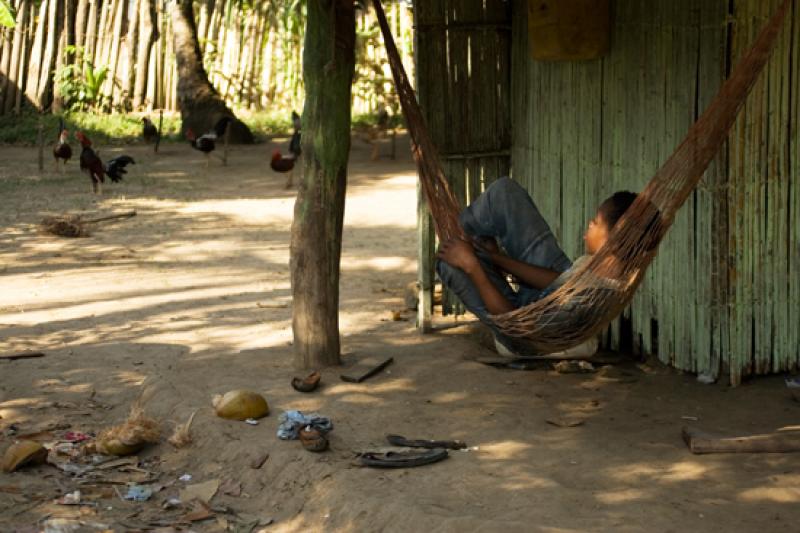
(329, 63)
(199, 104)
(148, 35)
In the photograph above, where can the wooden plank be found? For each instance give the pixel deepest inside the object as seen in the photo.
(700, 442)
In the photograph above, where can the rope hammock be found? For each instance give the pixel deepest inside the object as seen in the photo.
(601, 288)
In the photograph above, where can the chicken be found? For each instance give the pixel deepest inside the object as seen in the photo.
(62, 150)
(149, 131)
(207, 142)
(93, 165)
(285, 163)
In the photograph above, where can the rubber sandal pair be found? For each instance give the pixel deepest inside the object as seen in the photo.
(436, 450)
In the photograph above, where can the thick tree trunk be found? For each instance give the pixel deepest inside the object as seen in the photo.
(200, 105)
(329, 63)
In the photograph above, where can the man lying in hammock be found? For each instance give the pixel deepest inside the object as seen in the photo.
(505, 214)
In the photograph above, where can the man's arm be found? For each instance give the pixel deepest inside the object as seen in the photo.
(536, 277)
(460, 254)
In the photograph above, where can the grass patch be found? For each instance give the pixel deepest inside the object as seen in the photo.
(119, 129)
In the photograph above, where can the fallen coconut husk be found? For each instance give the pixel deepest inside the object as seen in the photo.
(182, 435)
(24, 452)
(130, 436)
(75, 225)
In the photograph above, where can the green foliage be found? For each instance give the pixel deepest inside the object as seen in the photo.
(120, 129)
(80, 83)
(7, 14)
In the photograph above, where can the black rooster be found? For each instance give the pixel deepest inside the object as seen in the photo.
(285, 163)
(62, 150)
(206, 143)
(149, 131)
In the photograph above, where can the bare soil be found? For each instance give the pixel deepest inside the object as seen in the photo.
(191, 298)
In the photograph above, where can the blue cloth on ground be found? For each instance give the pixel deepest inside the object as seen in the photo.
(291, 422)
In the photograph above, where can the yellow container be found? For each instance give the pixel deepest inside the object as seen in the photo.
(569, 30)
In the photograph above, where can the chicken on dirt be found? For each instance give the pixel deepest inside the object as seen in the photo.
(62, 150)
(285, 163)
(97, 170)
(206, 143)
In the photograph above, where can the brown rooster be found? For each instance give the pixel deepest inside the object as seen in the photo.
(62, 150)
(93, 165)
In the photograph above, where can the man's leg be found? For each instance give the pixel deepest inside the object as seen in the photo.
(506, 211)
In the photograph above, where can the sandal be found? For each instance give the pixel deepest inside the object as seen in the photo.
(397, 440)
(402, 459)
(313, 440)
(307, 384)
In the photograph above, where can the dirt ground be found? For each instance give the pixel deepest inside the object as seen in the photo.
(192, 296)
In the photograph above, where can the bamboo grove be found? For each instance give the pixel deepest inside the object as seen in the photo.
(117, 55)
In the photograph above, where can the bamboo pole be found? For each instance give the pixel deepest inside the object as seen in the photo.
(40, 144)
(112, 83)
(23, 62)
(5, 63)
(132, 47)
(81, 16)
(36, 53)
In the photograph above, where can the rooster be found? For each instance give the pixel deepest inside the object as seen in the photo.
(62, 150)
(149, 131)
(285, 163)
(207, 142)
(93, 165)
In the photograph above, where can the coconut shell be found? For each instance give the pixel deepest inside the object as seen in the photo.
(240, 405)
(24, 452)
(129, 437)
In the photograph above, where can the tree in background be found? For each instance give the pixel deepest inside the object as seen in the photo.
(199, 103)
(328, 68)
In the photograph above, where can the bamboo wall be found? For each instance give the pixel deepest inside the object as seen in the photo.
(723, 295)
(464, 79)
(252, 52)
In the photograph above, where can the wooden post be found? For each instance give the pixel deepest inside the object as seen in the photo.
(328, 68)
(40, 144)
(160, 129)
(225, 139)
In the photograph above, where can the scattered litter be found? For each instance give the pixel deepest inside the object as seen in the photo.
(687, 417)
(259, 460)
(76, 436)
(399, 440)
(185, 478)
(231, 488)
(71, 498)
(573, 367)
(201, 491)
(706, 378)
(240, 405)
(70, 525)
(139, 493)
(171, 503)
(199, 514)
(291, 422)
(564, 423)
(251, 421)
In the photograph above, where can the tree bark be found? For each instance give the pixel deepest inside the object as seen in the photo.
(199, 103)
(329, 64)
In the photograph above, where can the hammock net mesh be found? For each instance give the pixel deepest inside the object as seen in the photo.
(600, 288)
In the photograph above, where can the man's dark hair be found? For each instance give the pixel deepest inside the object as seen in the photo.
(615, 206)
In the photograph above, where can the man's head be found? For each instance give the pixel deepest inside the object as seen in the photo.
(609, 212)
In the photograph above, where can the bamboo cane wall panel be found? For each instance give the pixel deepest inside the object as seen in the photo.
(724, 293)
